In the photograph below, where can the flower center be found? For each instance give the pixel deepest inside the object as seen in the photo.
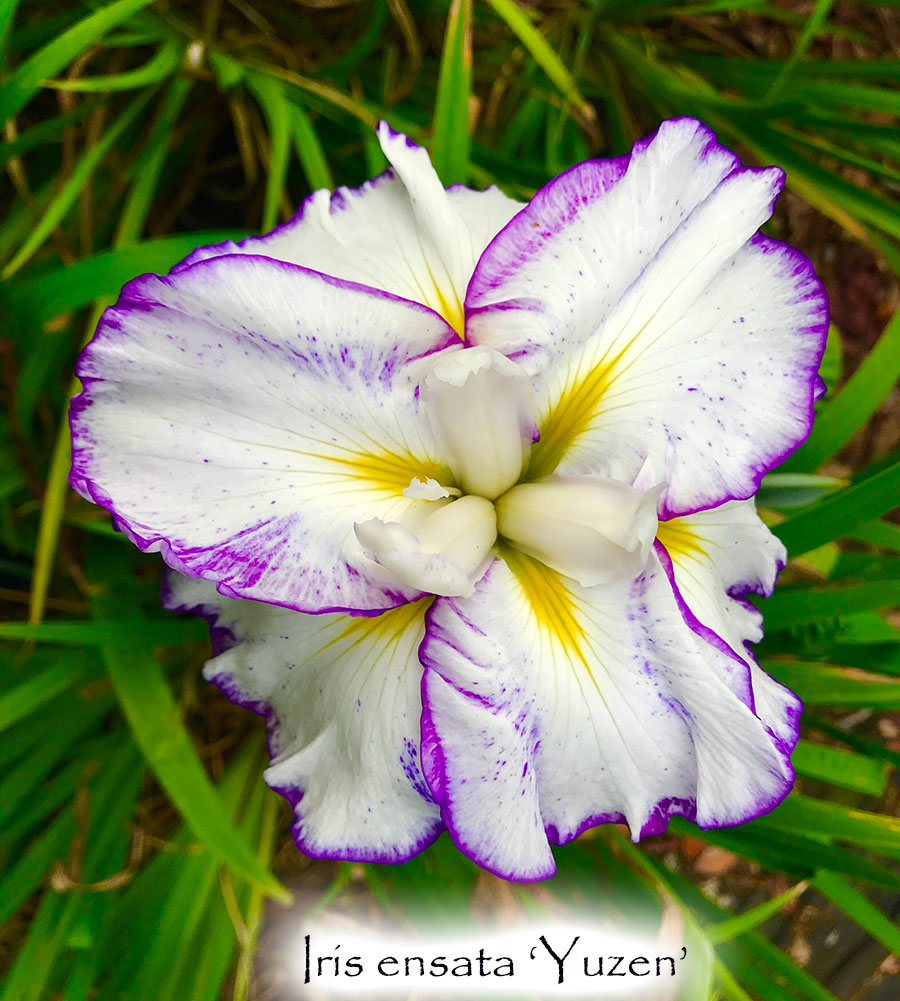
(482, 411)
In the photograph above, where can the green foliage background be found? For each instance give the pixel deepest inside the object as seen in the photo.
(136, 838)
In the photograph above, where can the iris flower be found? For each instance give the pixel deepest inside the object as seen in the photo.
(465, 488)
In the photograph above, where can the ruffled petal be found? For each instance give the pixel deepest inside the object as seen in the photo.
(241, 415)
(549, 708)
(401, 232)
(713, 558)
(671, 340)
(341, 700)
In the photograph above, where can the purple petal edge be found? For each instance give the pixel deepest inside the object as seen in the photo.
(704, 632)
(738, 591)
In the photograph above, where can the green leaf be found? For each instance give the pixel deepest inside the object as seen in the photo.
(769, 968)
(843, 768)
(826, 190)
(858, 907)
(48, 61)
(7, 16)
(873, 749)
(177, 898)
(156, 724)
(65, 198)
(864, 392)
(841, 513)
(450, 135)
(184, 978)
(229, 72)
(64, 923)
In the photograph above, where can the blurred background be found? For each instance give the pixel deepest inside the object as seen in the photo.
(141, 856)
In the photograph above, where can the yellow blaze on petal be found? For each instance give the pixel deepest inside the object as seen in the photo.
(680, 540)
(573, 413)
(390, 472)
(452, 312)
(550, 600)
(445, 301)
(385, 630)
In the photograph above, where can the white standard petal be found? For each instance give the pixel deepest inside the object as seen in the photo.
(340, 696)
(482, 410)
(549, 708)
(589, 528)
(444, 552)
(669, 336)
(716, 557)
(401, 232)
(241, 415)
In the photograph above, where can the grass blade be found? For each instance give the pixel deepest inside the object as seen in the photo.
(65, 198)
(309, 150)
(543, 53)
(48, 61)
(160, 66)
(841, 513)
(95, 634)
(822, 685)
(843, 768)
(795, 607)
(63, 289)
(858, 907)
(140, 196)
(740, 924)
(270, 94)
(156, 723)
(450, 135)
(32, 694)
(40, 135)
(810, 30)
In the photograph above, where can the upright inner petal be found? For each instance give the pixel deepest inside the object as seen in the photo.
(589, 528)
(482, 410)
